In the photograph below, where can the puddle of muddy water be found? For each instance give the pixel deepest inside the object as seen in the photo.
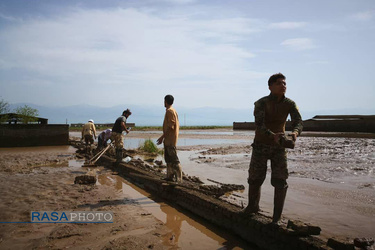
(187, 231)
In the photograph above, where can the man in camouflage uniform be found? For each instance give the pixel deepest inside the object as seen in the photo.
(270, 114)
(117, 137)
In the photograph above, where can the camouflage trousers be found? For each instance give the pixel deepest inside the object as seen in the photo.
(118, 138)
(173, 163)
(258, 164)
(170, 155)
(89, 139)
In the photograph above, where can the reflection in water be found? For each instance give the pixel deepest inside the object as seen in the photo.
(173, 222)
(185, 232)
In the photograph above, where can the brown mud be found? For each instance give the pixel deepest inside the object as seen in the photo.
(39, 179)
(331, 185)
(256, 229)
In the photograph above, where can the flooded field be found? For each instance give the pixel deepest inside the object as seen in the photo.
(334, 159)
(187, 138)
(331, 183)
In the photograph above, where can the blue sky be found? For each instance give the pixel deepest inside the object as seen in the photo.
(205, 53)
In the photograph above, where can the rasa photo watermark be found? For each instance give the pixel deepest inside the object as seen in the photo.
(71, 217)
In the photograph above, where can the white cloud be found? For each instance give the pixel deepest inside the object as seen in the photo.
(128, 50)
(9, 18)
(178, 1)
(299, 44)
(287, 25)
(318, 63)
(364, 15)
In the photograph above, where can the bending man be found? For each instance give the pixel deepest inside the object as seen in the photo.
(88, 134)
(117, 137)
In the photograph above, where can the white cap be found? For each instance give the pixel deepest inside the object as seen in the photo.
(91, 120)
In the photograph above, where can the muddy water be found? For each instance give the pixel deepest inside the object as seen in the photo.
(337, 208)
(186, 230)
(135, 139)
(331, 183)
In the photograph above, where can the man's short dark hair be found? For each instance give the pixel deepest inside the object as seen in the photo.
(127, 112)
(274, 78)
(169, 99)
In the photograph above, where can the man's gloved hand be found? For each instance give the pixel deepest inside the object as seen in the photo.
(287, 141)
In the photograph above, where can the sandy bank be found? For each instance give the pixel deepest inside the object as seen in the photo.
(39, 179)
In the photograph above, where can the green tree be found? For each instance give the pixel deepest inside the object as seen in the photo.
(4, 108)
(27, 113)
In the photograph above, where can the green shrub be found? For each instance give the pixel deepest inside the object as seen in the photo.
(149, 147)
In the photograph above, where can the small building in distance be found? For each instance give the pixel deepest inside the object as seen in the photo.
(13, 118)
(25, 131)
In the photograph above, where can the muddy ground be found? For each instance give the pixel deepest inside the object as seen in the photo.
(39, 179)
(331, 184)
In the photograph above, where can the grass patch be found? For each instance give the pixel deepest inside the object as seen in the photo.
(150, 147)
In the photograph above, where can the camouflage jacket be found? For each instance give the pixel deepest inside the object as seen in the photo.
(270, 118)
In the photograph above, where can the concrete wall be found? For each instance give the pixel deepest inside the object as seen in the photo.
(26, 135)
(244, 125)
(365, 125)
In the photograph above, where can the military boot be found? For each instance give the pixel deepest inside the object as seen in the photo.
(178, 172)
(169, 176)
(254, 197)
(118, 154)
(278, 203)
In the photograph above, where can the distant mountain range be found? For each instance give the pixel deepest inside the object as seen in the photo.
(141, 115)
(153, 116)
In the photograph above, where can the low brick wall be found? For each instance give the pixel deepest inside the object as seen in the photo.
(365, 126)
(28, 135)
(256, 229)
